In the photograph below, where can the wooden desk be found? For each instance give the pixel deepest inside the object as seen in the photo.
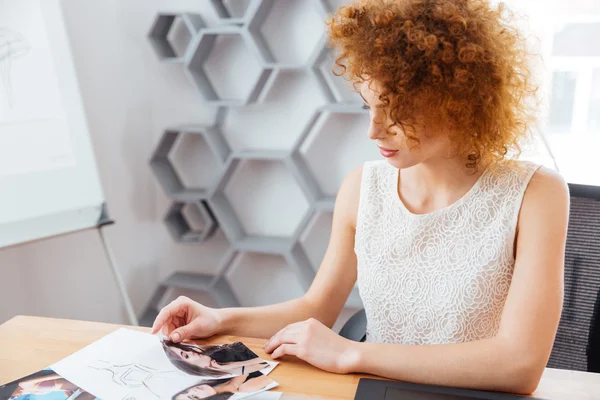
(28, 344)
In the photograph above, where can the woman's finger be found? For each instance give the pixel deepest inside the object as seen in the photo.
(285, 349)
(166, 314)
(288, 334)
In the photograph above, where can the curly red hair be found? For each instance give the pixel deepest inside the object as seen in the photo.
(459, 64)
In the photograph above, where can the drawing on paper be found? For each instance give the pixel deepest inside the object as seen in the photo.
(13, 45)
(132, 376)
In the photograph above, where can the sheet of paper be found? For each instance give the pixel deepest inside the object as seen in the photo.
(34, 134)
(267, 396)
(131, 365)
(31, 146)
(124, 365)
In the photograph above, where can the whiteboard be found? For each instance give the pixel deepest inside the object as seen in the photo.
(49, 182)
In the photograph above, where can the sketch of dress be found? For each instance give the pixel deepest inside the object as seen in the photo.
(133, 376)
(13, 45)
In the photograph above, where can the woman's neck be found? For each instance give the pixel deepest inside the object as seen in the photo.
(435, 184)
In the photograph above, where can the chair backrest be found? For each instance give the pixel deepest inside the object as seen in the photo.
(356, 327)
(577, 343)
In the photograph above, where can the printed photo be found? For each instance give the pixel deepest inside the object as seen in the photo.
(215, 361)
(43, 385)
(231, 388)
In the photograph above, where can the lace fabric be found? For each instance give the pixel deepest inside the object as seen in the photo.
(440, 277)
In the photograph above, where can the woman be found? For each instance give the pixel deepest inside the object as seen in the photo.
(457, 249)
(225, 388)
(213, 361)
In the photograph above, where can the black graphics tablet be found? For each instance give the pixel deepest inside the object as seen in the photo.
(374, 389)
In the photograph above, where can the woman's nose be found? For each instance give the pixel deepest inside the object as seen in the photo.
(376, 131)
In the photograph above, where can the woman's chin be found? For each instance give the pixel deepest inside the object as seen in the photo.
(401, 162)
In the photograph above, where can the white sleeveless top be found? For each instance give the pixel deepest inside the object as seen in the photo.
(440, 277)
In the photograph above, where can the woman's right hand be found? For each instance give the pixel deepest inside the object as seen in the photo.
(185, 319)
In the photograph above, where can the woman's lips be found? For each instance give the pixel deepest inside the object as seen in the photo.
(387, 152)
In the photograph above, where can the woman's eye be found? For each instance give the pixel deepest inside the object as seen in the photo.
(366, 107)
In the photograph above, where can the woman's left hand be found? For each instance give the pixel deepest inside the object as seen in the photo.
(316, 344)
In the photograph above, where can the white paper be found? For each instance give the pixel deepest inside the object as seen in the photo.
(267, 396)
(34, 134)
(124, 365)
(34, 146)
(131, 365)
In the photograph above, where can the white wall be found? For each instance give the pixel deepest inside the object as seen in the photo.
(129, 98)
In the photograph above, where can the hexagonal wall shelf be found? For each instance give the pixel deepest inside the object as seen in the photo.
(166, 173)
(238, 16)
(216, 286)
(164, 27)
(230, 222)
(198, 227)
(270, 15)
(204, 58)
(324, 182)
(249, 270)
(200, 50)
(336, 88)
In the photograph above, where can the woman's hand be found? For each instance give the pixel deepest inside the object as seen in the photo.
(186, 319)
(316, 344)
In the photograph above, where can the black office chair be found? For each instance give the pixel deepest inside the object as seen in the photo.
(577, 343)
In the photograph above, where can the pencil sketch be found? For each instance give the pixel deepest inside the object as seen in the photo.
(13, 45)
(133, 376)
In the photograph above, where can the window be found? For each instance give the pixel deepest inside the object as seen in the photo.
(565, 34)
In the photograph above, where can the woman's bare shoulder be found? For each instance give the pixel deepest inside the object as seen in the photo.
(346, 202)
(546, 196)
(547, 186)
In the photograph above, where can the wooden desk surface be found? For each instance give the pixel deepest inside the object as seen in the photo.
(28, 344)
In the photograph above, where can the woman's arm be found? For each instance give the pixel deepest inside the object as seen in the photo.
(330, 288)
(515, 358)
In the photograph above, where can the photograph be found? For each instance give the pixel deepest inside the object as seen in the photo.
(43, 385)
(215, 361)
(232, 388)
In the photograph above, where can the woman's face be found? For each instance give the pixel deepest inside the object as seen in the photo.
(191, 357)
(397, 149)
(197, 392)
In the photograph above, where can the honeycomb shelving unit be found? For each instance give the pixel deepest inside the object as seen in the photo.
(257, 16)
(226, 16)
(200, 49)
(165, 171)
(215, 286)
(181, 229)
(322, 201)
(212, 202)
(164, 25)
